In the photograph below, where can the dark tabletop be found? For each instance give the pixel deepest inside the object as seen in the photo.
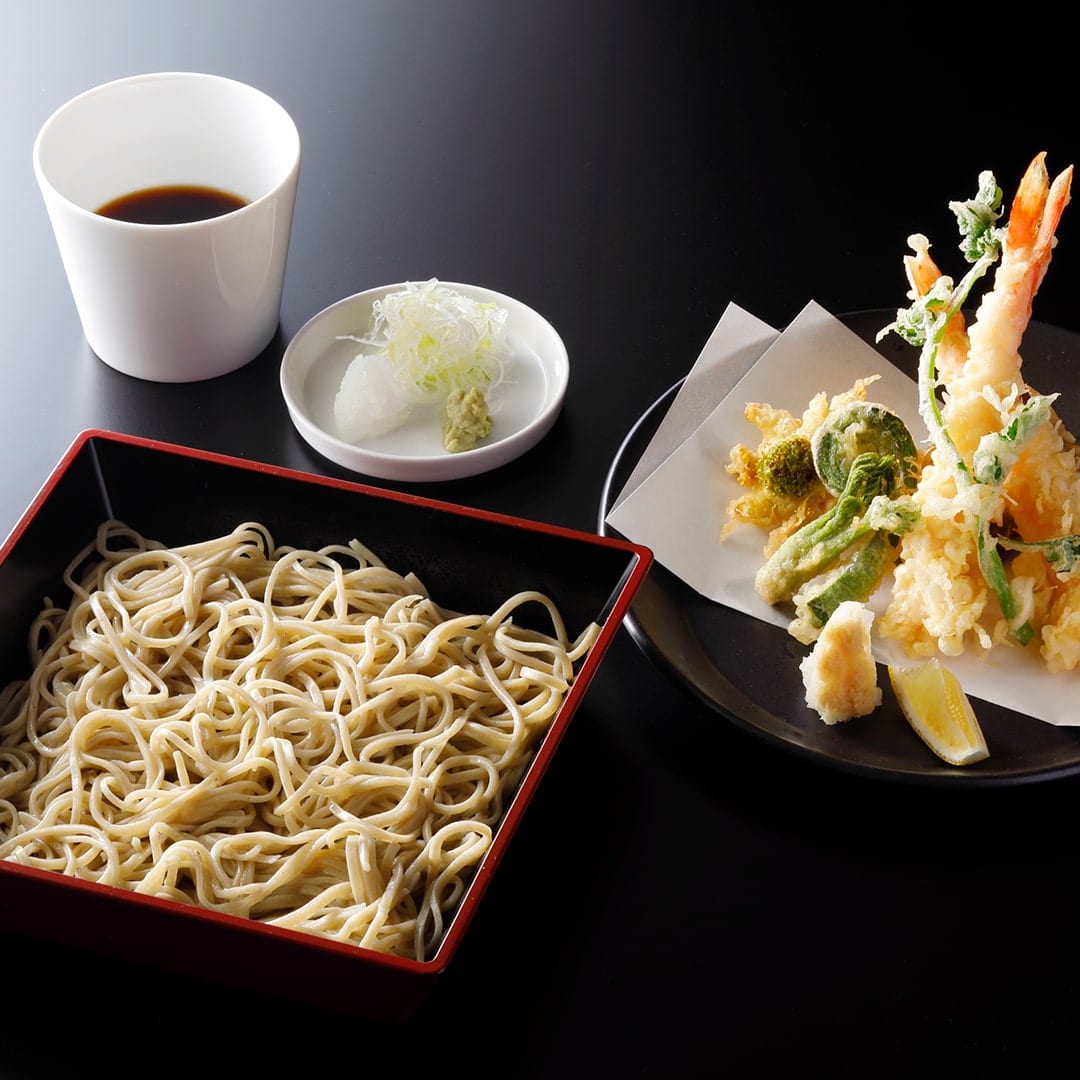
(627, 169)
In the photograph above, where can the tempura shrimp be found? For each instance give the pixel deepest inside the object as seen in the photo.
(1042, 492)
(980, 368)
(940, 600)
(991, 374)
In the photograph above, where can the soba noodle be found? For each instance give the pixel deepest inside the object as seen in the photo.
(294, 736)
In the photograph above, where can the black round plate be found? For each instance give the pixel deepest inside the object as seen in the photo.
(748, 671)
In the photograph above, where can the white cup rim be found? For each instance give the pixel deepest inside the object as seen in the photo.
(157, 76)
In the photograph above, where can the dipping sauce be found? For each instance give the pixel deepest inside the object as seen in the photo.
(173, 204)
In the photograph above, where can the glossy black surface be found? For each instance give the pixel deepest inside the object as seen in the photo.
(681, 899)
(748, 671)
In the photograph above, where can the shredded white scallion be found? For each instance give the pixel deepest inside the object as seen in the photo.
(427, 341)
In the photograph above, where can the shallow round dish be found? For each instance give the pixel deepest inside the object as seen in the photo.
(523, 406)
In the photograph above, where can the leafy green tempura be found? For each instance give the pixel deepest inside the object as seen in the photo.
(979, 484)
(864, 454)
(978, 219)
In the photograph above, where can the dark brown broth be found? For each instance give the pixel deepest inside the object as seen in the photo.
(173, 204)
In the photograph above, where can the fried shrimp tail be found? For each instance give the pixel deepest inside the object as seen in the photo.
(993, 365)
(922, 275)
(1030, 236)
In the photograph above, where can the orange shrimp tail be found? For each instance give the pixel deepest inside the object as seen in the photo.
(922, 272)
(1033, 220)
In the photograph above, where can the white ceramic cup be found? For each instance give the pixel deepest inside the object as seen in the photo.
(176, 302)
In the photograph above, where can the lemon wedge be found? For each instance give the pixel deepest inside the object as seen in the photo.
(935, 705)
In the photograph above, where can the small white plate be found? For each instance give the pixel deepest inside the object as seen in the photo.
(523, 406)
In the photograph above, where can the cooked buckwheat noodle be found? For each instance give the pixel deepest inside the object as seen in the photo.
(300, 737)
